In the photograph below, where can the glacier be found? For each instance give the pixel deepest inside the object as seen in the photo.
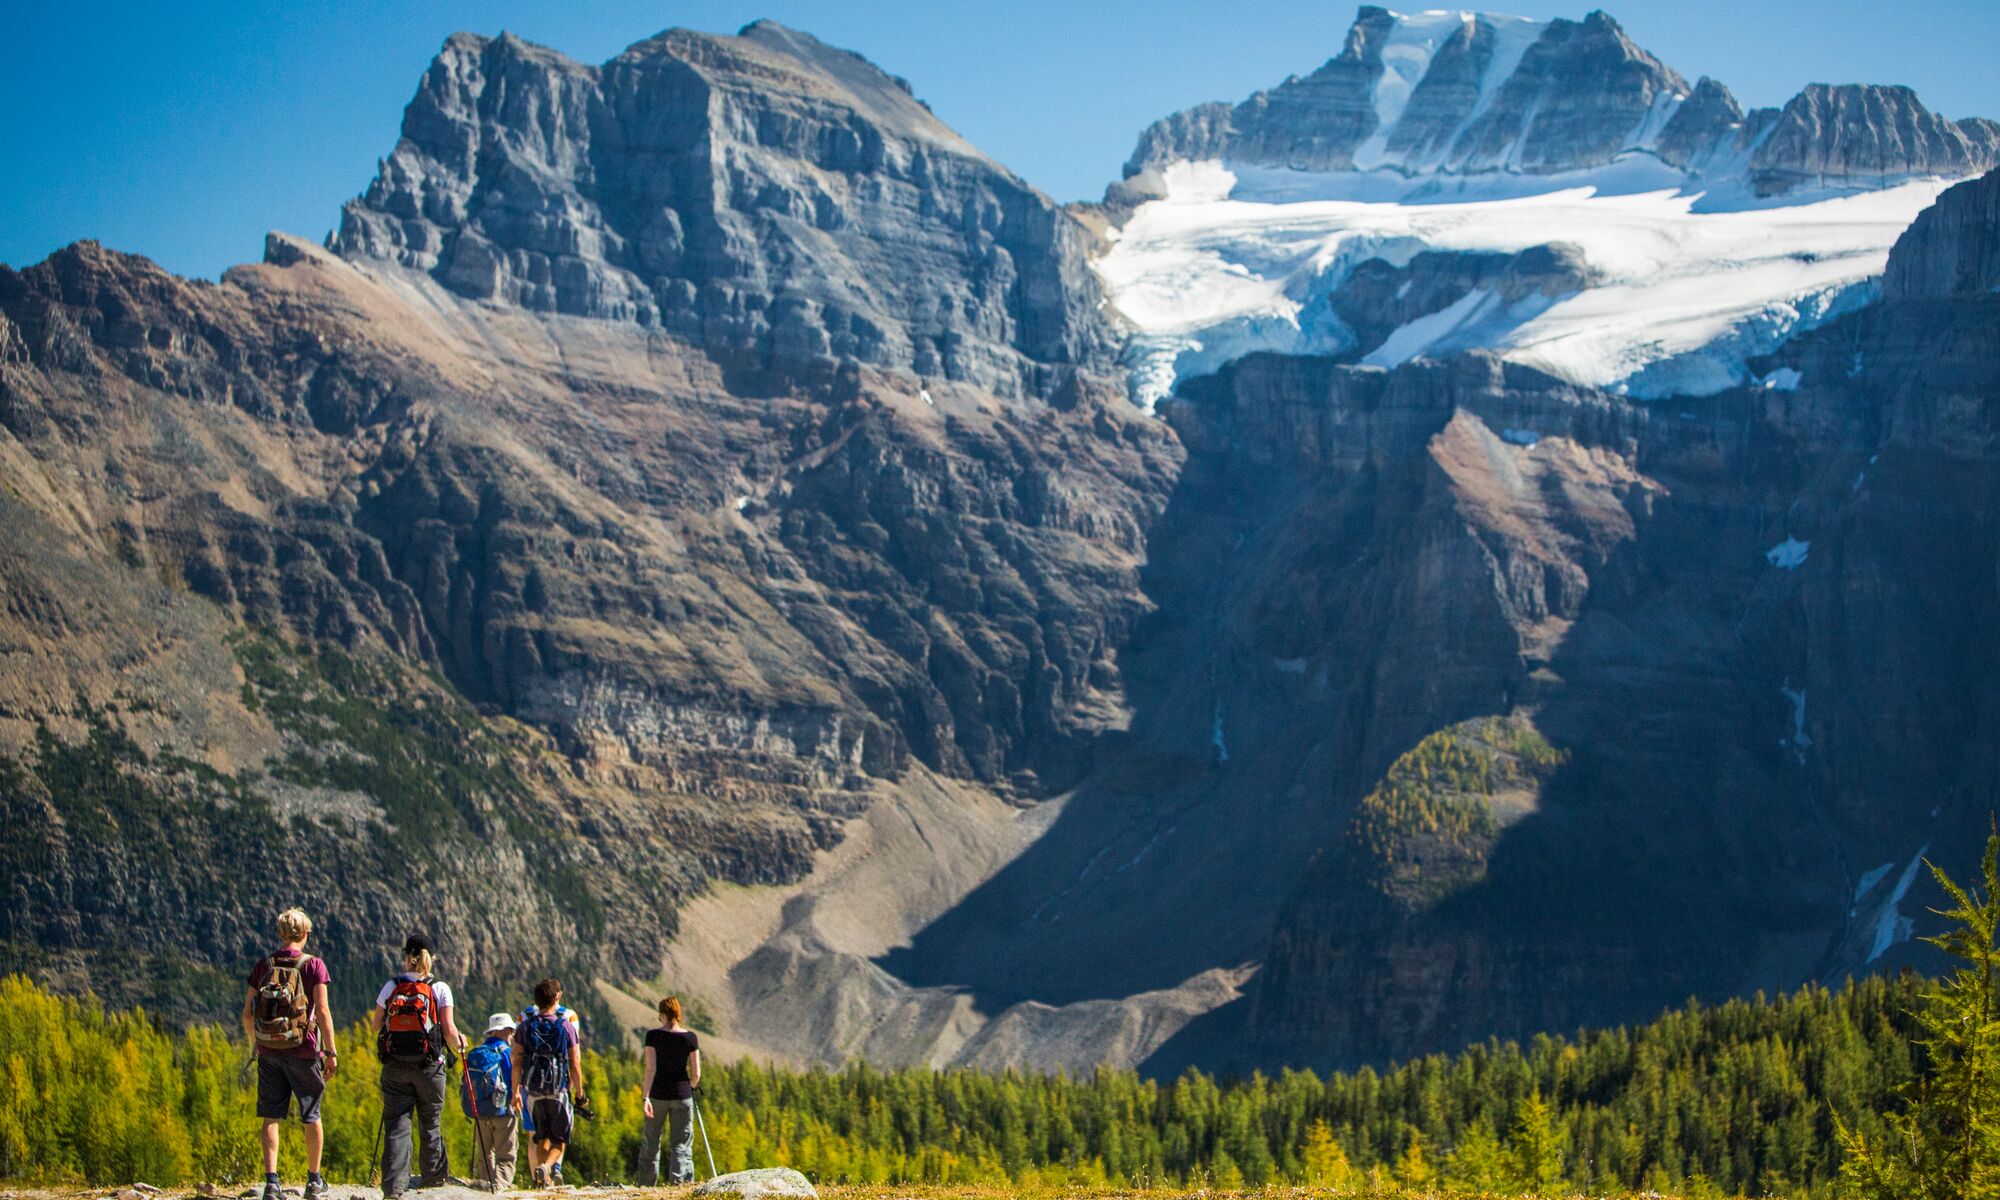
(1688, 285)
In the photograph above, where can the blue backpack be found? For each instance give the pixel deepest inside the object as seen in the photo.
(488, 1081)
(546, 1073)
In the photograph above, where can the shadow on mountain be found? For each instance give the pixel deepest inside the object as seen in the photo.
(1355, 577)
(1175, 854)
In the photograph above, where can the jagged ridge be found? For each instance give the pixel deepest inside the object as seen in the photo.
(1455, 92)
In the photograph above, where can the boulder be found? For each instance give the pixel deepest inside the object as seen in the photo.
(757, 1184)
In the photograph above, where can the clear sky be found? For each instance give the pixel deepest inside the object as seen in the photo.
(184, 131)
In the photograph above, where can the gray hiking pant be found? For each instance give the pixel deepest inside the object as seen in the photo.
(678, 1117)
(406, 1090)
(495, 1141)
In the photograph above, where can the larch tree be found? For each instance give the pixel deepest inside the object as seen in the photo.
(1945, 1143)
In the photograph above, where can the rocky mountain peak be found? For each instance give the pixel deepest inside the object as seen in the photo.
(763, 194)
(1458, 93)
(1441, 90)
(1867, 135)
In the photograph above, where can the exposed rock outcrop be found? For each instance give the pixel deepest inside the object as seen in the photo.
(1378, 297)
(1952, 250)
(762, 194)
(757, 1184)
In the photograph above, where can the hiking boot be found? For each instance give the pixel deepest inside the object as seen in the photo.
(316, 1189)
(541, 1175)
(555, 1175)
(272, 1192)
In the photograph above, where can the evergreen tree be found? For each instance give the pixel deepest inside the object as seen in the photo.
(1411, 1168)
(1324, 1160)
(1477, 1163)
(1537, 1147)
(1945, 1144)
(1225, 1173)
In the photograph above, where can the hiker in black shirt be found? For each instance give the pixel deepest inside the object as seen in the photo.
(672, 1069)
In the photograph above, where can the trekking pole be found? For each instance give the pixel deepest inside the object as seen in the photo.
(699, 1124)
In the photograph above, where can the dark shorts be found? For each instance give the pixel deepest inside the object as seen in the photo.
(551, 1114)
(281, 1077)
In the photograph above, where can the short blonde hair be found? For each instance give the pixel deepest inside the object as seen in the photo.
(294, 925)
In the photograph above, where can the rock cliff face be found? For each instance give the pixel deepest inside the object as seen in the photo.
(1952, 250)
(1460, 93)
(763, 194)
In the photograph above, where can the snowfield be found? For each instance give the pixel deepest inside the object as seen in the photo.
(1689, 285)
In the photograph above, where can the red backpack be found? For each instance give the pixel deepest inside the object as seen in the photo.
(409, 1034)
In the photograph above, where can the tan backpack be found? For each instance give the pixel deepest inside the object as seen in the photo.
(283, 1005)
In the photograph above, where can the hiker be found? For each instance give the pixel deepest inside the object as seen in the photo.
(286, 1018)
(548, 1079)
(527, 1114)
(672, 1071)
(413, 1026)
(487, 1096)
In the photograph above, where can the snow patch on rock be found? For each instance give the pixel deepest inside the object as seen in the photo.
(1891, 926)
(1799, 742)
(1788, 555)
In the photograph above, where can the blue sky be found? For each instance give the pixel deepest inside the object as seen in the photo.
(184, 131)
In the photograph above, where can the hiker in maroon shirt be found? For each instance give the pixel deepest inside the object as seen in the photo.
(286, 1018)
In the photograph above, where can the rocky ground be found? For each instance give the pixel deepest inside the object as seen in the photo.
(888, 1192)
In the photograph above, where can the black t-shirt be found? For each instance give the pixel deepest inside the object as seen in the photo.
(670, 1062)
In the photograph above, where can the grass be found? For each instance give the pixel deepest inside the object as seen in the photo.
(909, 1192)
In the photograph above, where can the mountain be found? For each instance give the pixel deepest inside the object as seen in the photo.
(690, 527)
(763, 194)
(283, 550)
(1464, 93)
(1703, 235)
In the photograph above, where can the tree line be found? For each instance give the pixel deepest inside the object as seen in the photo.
(1883, 1090)
(1741, 1098)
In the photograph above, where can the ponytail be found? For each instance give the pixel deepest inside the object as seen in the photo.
(670, 1010)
